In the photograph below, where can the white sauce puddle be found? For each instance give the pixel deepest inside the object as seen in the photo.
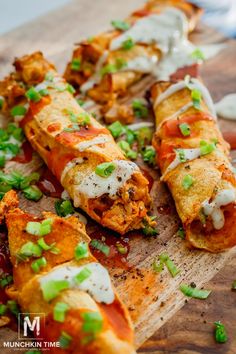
(98, 285)
(226, 108)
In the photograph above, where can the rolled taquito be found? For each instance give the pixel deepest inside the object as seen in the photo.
(57, 278)
(105, 66)
(80, 152)
(194, 161)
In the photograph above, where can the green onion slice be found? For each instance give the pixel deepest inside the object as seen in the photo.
(185, 129)
(81, 251)
(93, 322)
(59, 311)
(38, 263)
(187, 182)
(101, 246)
(194, 292)
(29, 249)
(196, 98)
(105, 169)
(140, 109)
(32, 193)
(116, 129)
(75, 64)
(33, 95)
(206, 148)
(52, 288)
(220, 332)
(128, 44)
(18, 111)
(65, 340)
(120, 25)
(165, 260)
(3, 309)
(64, 207)
(83, 275)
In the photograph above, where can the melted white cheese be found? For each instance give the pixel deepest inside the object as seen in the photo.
(85, 145)
(96, 77)
(194, 84)
(226, 108)
(98, 285)
(155, 29)
(94, 186)
(142, 64)
(70, 165)
(189, 154)
(222, 198)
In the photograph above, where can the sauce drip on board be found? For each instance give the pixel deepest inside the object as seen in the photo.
(230, 137)
(49, 185)
(26, 154)
(115, 243)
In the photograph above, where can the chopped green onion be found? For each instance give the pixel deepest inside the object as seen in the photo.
(64, 207)
(13, 307)
(33, 95)
(32, 193)
(165, 260)
(148, 230)
(181, 155)
(6, 280)
(29, 249)
(181, 233)
(194, 292)
(25, 181)
(139, 109)
(65, 340)
(44, 245)
(1, 102)
(125, 147)
(144, 136)
(128, 44)
(52, 288)
(149, 155)
(108, 69)
(38, 263)
(3, 309)
(75, 64)
(158, 267)
(93, 322)
(105, 169)
(198, 54)
(206, 148)
(187, 182)
(70, 89)
(59, 311)
(39, 229)
(196, 98)
(220, 332)
(83, 275)
(185, 129)
(121, 249)
(83, 118)
(116, 129)
(80, 102)
(18, 111)
(2, 161)
(121, 63)
(120, 25)
(101, 246)
(44, 92)
(233, 285)
(81, 251)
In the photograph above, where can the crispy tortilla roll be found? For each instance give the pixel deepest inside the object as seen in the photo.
(80, 152)
(194, 161)
(55, 275)
(105, 66)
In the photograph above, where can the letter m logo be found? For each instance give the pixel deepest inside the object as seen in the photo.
(30, 325)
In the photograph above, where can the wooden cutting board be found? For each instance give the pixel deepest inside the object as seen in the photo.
(154, 300)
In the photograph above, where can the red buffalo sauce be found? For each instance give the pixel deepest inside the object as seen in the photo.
(49, 185)
(118, 246)
(72, 138)
(26, 153)
(171, 127)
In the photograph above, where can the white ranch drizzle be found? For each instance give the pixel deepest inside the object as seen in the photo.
(194, 84)
(155, 29)
(140, 125)
(98, 285)
(142, 64)
(175, 115)
(85, 145)
(94, 186)
(222, 198)
(189, 154)
(226, 108)
(96, 77)
(70, 165)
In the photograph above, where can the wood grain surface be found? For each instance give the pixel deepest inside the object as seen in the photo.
(155, 303)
